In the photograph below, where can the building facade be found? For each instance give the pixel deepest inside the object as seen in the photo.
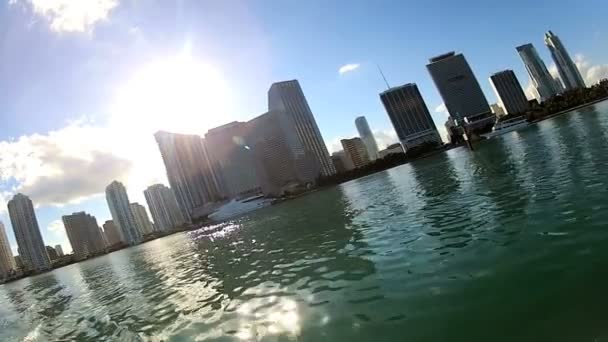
(365, 133)
(141, 219)
(568, 72)
(112, 233)
(356, 152)
(118, 202)
(459, 89)
(231, 153)
(287, 100)
(84, 235)
(59, 250)
(7, 261)
(190, 173)
(27, 233)
(510, 95)
(340, 162)
(410, 116)
(542, 80)
(163, 207)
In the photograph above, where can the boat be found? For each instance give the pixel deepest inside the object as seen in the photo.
(237, 208)
(507, 126)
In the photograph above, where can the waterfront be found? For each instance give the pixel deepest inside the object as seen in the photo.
(505, 243)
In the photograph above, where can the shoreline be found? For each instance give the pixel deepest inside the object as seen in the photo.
(565, 111)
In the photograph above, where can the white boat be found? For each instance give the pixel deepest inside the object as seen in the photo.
(236, 208)
(507, 126)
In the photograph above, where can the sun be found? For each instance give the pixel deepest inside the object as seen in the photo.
(178, 94)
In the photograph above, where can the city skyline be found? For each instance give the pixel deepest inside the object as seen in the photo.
(353, 100)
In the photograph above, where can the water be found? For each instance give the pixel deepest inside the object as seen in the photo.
(509, 243)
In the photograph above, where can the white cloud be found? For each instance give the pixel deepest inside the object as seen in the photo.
(58, 236)
(56, 227)
(592, 73)
(348, 68)
(71, 15)
(385, 138)
(442, 109)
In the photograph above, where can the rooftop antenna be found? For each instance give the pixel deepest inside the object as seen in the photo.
(383, 77)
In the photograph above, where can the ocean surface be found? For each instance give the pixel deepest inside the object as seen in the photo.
(506, 243)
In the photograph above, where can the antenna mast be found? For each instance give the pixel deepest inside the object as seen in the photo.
(383, 77)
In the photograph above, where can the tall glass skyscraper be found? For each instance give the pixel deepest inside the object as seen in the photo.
(568, 72)
(27, 233)
(511, 96)
(540, 76)
(118, 201)
(410, 116)
(287, 100)
(367, 136)
(190, 172)
(458, 87)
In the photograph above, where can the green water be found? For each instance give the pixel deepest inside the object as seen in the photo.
(509, 243)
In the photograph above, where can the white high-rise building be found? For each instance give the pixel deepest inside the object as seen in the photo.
(141, 219)
(566, 67)
(541, 78)
(112, 233)
(356, 152)
(287, 100)
(59, 250)
(27, 233)
(190, 172)
(7, 261)
(84, 235)
(365, 133)
(163, 207)
(118, 201)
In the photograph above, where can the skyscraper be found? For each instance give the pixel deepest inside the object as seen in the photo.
(229, 150)
(460, 90)
(141, 219)
(410, 116)
(27, 233)
(279, 165)
(355, 151)
(7, 261)
(540, 76)
(566, 68)
(84, 234)
(112, 233)
(190, 172)
(287, 100)
(511, 96)
(163, 207)
(367, 136)
(118, 201)
(59, 250)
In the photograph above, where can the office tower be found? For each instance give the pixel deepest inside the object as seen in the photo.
(84, 234)
(355, 151)
(59, 250)
(112, 233)
(287, 100)
(410, 116)
(142, 221)
(52, 253)
(497, 109)
(558, 85)
(27, 233)
(163, 207)
(566, 67)
(510, 95)
(190, 173)
(540, 76)
(340, 162)
(7, 261)
(123, 218)
(278, 165)
(229, 150)
(460, 90)
(365, 133)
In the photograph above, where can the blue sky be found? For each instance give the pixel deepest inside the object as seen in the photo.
(74, 116)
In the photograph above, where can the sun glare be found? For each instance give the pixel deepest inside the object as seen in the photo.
(176, 94)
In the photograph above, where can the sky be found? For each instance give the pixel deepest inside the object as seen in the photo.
(85, 83)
